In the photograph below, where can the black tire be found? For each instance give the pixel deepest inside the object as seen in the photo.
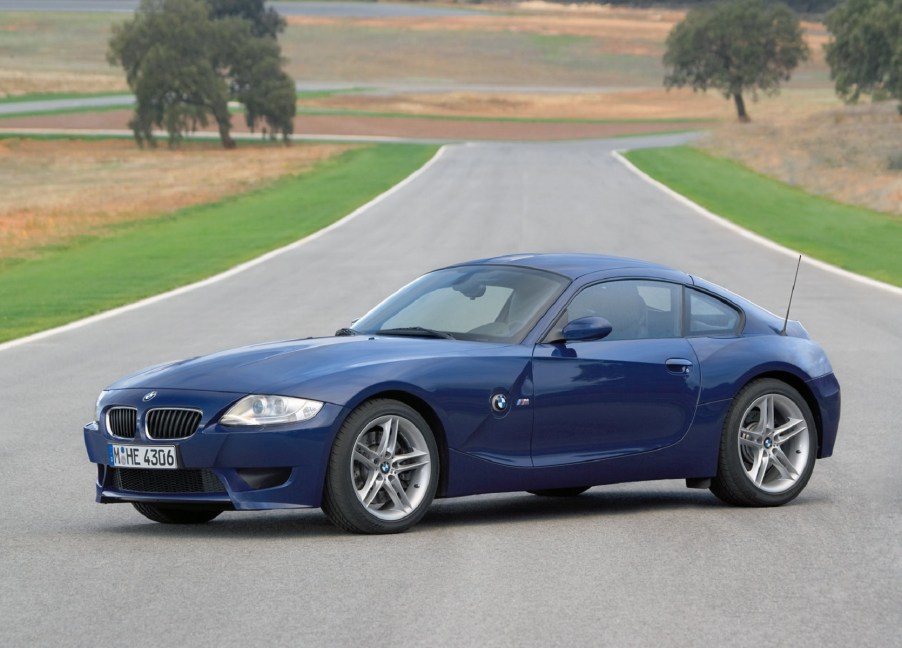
(170, 515)
(758, 464)
(560, 492)
(399, 490)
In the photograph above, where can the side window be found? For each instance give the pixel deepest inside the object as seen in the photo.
(636, 309)
(707, 315)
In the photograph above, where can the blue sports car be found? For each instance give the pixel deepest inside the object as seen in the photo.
(540, 373)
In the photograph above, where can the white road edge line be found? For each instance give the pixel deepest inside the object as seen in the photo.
(720, 220)
(227, 273)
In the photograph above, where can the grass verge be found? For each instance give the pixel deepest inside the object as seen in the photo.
(149, 257)
(859, 240)
(62, 111)
(56, 96)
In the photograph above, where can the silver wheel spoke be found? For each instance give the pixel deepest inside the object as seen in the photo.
(785, 432)
(784, 466)
(389, 437)
(751, 438)
(410, 461)
(365, 454)
(370, 489)
(759, 468)
(395, 490)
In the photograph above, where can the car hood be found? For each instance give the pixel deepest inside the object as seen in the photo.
(287, 367)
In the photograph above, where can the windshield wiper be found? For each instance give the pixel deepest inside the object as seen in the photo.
(416, 331)
(345, 331)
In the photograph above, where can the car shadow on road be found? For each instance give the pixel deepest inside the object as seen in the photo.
(523, 507)
(501, 509)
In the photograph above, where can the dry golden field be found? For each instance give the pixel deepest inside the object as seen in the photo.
(622, 104)
(852, 154)
(530, 43)
(54, 190)
(615, 30)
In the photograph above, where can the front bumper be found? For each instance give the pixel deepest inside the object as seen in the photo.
(827, 393)
(224, 467)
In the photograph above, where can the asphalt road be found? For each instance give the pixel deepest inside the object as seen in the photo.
(637, 564)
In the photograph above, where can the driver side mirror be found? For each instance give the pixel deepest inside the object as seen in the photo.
(587, 328)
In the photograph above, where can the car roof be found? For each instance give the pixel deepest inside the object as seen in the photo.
(569, 265)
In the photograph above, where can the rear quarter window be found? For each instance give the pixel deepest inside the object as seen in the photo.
(707, 315)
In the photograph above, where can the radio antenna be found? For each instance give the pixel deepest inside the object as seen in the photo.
(791, 293)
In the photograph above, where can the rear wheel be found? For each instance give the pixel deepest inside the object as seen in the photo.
(560, 492)
(170, 515)
(383, 470)
(768, 447)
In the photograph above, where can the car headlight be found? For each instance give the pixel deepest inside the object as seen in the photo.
(269, 410)
(98, 404)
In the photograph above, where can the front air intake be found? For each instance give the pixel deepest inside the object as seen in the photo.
(143, 480)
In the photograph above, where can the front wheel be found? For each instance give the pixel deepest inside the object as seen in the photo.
(768, 446)
(383, 471)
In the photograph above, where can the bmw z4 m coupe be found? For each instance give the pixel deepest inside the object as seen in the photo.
(542, 373)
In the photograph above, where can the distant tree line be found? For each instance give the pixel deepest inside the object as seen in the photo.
(186, 60)
(800, 6)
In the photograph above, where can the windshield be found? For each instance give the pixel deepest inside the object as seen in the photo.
(490, 303)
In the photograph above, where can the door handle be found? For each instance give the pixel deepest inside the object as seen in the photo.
(679, 366)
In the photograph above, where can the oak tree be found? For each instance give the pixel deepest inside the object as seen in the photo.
(186, 59)
(865, 54)
(737, 47)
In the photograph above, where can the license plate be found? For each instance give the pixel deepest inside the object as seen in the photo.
(137, 456)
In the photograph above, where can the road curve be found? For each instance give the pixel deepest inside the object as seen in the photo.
(636, 564)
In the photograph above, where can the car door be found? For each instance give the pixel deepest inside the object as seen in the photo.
(633, 391)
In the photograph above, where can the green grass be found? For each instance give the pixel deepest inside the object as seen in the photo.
(63, 111)
(303, 94)
(856, 239)
(65, 136)
(54, 96)
(142, 259)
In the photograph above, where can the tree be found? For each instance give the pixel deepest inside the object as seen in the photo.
(265, 22)
(865, 55)
(186, 59)
(735, 47)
